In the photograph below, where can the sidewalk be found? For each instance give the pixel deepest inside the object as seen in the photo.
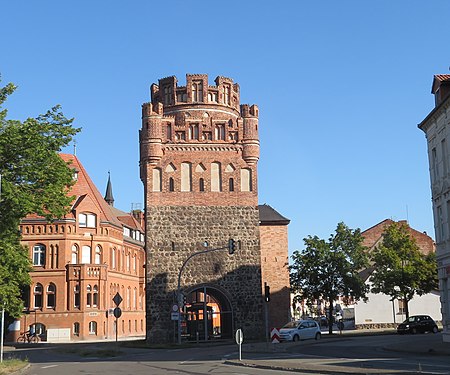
(280, 357)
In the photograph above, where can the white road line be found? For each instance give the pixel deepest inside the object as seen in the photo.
(49, 366)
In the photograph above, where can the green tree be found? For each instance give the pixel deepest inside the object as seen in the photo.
(400, 269)
(34, 179)
(330, 269)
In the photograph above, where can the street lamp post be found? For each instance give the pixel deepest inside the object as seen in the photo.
(231, 248)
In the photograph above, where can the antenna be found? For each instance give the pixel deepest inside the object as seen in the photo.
(75, 147)
(407, 219)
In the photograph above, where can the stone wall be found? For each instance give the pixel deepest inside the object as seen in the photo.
(176, 232)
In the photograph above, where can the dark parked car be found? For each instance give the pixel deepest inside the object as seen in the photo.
(418, 323)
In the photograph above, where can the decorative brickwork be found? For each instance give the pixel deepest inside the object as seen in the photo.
(199, 151)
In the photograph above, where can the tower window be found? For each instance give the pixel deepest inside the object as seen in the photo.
(197, 91)
(231, 184)
(226, 94)
(201, 185)
(220, 132)
(171, 184)
(193, 132)
(167, 95)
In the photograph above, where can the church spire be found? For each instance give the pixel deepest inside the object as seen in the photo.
(109, 194)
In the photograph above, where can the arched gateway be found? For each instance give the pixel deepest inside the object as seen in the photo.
(207, 315)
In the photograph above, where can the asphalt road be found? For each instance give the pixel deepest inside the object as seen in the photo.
(357, 353)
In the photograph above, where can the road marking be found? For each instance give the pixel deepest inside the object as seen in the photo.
(49, 366)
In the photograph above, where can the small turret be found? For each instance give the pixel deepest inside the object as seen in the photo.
(250, 151)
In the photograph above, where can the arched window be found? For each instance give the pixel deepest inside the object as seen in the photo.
(231, 184)
(92, 328)
(135, 299)
(201, 184)
(171, 184)
(98, 255)
(38, 296)
(169, 132)
(74, 259)
(76, 329)
(88, 296)
(51, 296)
(39, 255)
(128, 298)
(95, 296)
(76, 296)
(226, 94)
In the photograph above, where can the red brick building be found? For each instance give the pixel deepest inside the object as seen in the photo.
(80, 262)
(373, 236)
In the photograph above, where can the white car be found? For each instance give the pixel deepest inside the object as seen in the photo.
(300, 330)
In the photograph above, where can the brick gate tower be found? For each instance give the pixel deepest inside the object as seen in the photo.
(199, 150)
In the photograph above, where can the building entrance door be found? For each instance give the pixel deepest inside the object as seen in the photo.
(207, 315)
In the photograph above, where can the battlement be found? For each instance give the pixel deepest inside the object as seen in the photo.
(196, 91)
(249, 111)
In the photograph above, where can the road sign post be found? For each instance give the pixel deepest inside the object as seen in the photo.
(239, 341)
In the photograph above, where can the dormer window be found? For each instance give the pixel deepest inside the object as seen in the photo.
(87, 220)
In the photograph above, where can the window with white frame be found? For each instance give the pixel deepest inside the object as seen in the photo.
(92, 328)
(51, 296)
(86, 254)
(75, 254)
(38, 296)
(98, 255)
(38, 255)
(87, 220)
(76, 296)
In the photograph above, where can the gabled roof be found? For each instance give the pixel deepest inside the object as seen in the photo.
(374, 235)
(269, 216)
(85, 187)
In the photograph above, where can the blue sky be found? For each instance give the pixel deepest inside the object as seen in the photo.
(341, 87)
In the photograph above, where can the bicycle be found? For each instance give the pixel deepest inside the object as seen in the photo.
(26, 337)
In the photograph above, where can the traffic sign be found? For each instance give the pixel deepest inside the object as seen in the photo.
(239, 336)
(117, 312)
(175, 307)
(275, 336)
(117, 299)
(175, 316)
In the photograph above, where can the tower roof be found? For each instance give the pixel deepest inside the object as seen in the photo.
(269, 216)
(109, 194)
